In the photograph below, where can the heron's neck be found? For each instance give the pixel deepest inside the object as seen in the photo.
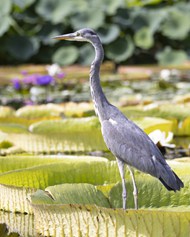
(99, 99)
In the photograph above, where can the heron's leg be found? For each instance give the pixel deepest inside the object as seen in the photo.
(135, 190)
(121, 166)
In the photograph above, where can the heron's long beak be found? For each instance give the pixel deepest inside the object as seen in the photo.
(70, 36)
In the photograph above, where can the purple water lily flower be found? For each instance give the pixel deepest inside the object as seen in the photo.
(24, 72)
(44, 80)
(60, 75)
(31, 79)
(16, 84)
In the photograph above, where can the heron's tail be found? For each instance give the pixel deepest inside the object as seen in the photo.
(174, 187)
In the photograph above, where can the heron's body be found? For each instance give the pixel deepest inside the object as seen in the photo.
(129, 144)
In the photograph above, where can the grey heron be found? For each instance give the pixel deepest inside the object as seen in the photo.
(128, 143)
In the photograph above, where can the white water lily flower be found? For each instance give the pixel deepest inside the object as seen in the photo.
(53, 69)
(159, 137)
(165, 74)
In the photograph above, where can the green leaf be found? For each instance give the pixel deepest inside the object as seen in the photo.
(40, 111)
(13, 128)
(135, 3)
(70, 194)
(6, 111)
(84, 169)
(23, 3)
(149, 124)
(92, 18)
(65, 125)
(144, 38)
(5, 7)
(10, 163)
(64, 220)
(86, 54)
(22, 47)
(110, 7)
(5, 22)
(65, 55)
(176, 25)
(171, 56)
(120, 50)
(151, 193)
(108, 33)
(54, 11)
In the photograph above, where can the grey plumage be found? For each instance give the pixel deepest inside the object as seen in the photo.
(129, 144)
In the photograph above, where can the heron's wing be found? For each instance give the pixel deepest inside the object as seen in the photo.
(130, 144)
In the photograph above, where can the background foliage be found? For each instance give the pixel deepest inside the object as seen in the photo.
(138, 31)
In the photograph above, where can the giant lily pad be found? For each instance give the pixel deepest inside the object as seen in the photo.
(63, 203)
(6, 111)
(70, 194)
(144, 38)
(16, 184)
(40, 111)
(64, 220)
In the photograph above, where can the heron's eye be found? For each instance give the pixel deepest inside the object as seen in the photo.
(77, 34)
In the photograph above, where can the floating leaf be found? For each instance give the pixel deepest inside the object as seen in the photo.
(6, 111)
(64, 220)
(40, 111)
(44, 172)
(91, 18)
(5, 22)
(65, 55)
(135, 3)
(176, 25)
(110, 7)
(171, 56)
(13, 128)
(81, 169)
(108, 33)
(86, 54)
(22, 47)
(65, 125)
(70, 194)
(150, 124)
(54, 11)
(10, 163)
(144, 38)
(5, 7)
(23, 3)
(151, 194)
(120, 50)
(122, 18)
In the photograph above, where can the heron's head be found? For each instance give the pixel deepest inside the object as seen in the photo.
(85, 34)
